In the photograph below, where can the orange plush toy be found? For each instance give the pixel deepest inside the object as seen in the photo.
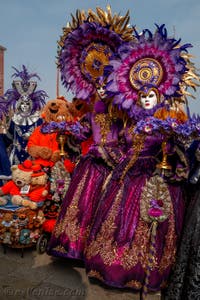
(79, 107)
(42, 146)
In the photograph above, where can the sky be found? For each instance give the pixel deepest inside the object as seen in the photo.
(30, 29)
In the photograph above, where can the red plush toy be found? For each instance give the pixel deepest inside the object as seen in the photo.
(38, 187)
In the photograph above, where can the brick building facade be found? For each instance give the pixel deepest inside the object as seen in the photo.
(2, 49)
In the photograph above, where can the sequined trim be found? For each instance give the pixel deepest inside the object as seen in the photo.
(134, 284)
(155, 190)
(138, 144)
(104, 243)
(69, 224)
(104, 121)
(95, 274)
(137, 252)
(60, 249)
(169, 253)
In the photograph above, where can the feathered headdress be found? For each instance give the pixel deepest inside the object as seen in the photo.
(155, 60)
(86, 47)
(24, 89)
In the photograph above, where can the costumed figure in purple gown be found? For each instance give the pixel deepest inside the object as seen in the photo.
(133, 239)
(83, 61)
(24, 103)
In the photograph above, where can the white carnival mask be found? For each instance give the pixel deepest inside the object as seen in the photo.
(148, 101)
(101, 91)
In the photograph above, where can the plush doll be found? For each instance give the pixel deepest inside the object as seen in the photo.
(79, 107)
(7, 228)
(43, 145)
(16, 190)
(38, 186)
(21, 175)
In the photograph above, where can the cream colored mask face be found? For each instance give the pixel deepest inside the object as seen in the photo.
(148, 101)
(101, 91)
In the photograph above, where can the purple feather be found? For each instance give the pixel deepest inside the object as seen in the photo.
(11, 96)
(74, 51)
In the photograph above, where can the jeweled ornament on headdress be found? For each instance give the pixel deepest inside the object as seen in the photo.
(93, 60)
(86, 47)
(144, 72)
(154, 61)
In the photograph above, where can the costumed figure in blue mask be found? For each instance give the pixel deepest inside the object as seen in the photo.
(24, 103)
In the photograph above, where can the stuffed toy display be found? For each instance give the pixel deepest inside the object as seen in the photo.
(21, 201)
(27, 188)
(20, 227)
(42, 144)
(23, 102)
(16, 190)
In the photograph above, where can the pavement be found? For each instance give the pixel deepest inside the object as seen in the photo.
(36, 276)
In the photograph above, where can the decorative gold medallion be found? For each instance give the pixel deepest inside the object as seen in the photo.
(145, 71)
(94, 59)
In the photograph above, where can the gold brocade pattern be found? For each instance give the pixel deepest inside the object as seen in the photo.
(69, 224)
(138, 251)
(104, 243)
(131, 129)
(169, 252)
(95, 274)
(60, 248)
(131, 284)
(156, 188)
(104, 122)
(138, 144)
(134, 284)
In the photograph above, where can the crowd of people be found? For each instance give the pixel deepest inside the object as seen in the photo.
(130, 212)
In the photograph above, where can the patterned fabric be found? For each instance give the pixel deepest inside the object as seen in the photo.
(185, 278)
(4, 159)
(20, 226)
(119, 246)
(82, 198)
(19, 134)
